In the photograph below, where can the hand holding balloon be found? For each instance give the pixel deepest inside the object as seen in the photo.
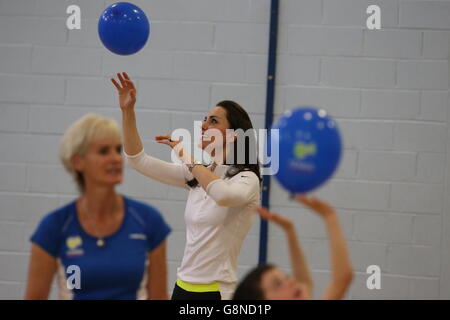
(320, 207)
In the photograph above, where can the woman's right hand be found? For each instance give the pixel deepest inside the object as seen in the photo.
(127, 91)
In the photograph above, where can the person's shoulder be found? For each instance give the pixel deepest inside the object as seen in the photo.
(57, 220)
(146, 216)
(144, 210)
(59, 215)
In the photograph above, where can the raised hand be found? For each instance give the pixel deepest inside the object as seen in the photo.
(126, 90)
(320, 207)
(280, 220)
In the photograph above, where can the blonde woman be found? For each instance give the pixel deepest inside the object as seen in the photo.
(116, 245)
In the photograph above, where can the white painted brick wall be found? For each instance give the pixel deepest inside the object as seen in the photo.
(422, 75)
(66, 61)
(353, 12)
(32, 30)
(433, 105)
(297, 70)
(338, 102)
(383, 227)
(253, 38)
(413, 260)
(388, 104)
(393, 43)
(386, 165)
(430, 167)
(424, 14)
(325, 41)
(357, 72)
(420, 137)
(308, 12)
(419, 198)
(209, 67)
(435, 44)
(388, 90)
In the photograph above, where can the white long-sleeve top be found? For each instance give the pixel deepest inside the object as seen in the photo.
(217, 219)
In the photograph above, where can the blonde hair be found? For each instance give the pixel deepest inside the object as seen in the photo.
(80, 134)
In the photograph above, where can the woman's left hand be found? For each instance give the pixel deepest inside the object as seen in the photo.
(181, 153)
(166, 139)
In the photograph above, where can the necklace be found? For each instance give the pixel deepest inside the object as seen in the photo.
(100, 240)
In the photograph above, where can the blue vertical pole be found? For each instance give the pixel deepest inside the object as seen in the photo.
(270, 97)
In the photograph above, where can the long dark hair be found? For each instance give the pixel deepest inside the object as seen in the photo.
(250, 287)
(238, 119)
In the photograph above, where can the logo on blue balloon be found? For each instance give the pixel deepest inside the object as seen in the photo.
(302, 150)
(309, 149)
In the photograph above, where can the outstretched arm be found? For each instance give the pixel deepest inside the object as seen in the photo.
(342, 272)
(203, 175)
(162, 171)
(299, 264)
(241, 192)
(127, 100)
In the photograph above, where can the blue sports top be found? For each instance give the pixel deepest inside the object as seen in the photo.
(118, 270)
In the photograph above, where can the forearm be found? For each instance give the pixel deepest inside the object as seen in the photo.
(158, 290)
(132, 141)
(204, 176)
(37, 289)
(165, 172)
(340, 259)
(157, 274)
(299, 264)
(244, 190)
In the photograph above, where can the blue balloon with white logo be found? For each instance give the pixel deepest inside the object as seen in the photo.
(123, 28)
(309, 148)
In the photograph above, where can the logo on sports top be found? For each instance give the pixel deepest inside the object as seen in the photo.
(74, 244)
(138, 236)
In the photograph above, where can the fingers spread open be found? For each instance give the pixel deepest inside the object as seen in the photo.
(122, 80)
(116, 84)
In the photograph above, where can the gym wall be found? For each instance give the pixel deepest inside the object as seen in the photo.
(388, 89)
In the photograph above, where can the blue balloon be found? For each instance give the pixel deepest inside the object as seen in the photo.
(309, 149)
(123, 28)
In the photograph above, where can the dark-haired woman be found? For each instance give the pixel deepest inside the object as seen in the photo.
(222, 196)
